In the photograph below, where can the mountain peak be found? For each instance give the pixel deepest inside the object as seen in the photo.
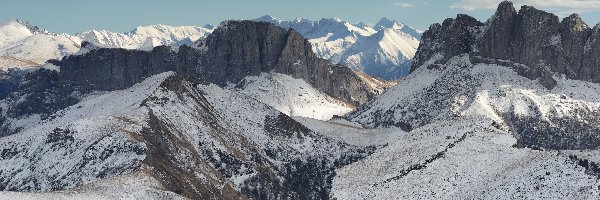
(532, 11)
(385, 23)
(209, 26)
(574, 23)
(330, 20)
(266, 18)
(335, 19)
(388, 23)
(26, 24)
(362, 24)
(300, 20)
(385, 20)
(506, 8)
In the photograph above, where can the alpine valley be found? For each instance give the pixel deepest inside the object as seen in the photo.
(508, 108)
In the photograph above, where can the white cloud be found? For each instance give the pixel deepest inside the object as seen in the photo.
(404, 5)
(476, 4)
(560, 6)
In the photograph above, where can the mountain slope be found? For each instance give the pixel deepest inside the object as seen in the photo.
(448, 83)
(383, 51)
(219, 144)
(293, 97)
(122, 187)
(476, 131)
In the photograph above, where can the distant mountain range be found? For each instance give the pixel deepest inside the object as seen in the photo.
(384, 50)
(22, 44)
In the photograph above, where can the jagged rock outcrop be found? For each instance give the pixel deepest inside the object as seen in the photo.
(531, 37)
(452, 38)
(499, 31)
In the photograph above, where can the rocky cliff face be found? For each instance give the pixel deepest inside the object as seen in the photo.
(531, 37)
(453, 37)
(243, 48)
(114, 69)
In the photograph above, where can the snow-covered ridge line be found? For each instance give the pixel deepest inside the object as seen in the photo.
(33, 45)
(147, 37)
(170, 134)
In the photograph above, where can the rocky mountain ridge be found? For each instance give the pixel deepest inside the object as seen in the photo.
(196, 140)
(494, 110)
(147, 37)
(530, 37)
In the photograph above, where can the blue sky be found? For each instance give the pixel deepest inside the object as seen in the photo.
(72, 16)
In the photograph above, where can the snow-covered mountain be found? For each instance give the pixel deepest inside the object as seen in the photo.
(479, 131)
(295, 84)
(25, 45)
(178, 128)
(384, 51)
